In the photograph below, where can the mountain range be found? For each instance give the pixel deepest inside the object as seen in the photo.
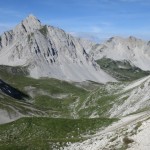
(49, 52)
(58, 91)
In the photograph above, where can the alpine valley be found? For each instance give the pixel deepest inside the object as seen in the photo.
(58, 91)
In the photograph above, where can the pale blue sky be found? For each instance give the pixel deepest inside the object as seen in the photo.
(95, 19)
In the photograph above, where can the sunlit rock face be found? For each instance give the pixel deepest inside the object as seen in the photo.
(49, 52)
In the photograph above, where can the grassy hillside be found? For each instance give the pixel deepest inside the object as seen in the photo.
(55, 98)
(47, 133)
(56, 112)
(121, 70)
(51, 96)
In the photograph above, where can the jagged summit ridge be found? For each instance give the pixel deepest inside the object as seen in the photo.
(118, 39)
(31, 23)
(28, 25)
(49, 52)
(31, 17)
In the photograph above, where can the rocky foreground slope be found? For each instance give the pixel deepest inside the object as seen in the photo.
(132, 131)
(74, 116)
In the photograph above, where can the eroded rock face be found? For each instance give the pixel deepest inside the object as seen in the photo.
(130, 49)
(49, 52)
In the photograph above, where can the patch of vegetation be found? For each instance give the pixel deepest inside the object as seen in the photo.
(142, 109)
(100, 102)
(101, 106)
(47, 133)
(44, 30)
(30, 36)
(122, 70)
(8, 71)
(127, 140)
(138, 125)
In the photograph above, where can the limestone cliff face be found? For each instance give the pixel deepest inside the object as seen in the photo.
(49, 52)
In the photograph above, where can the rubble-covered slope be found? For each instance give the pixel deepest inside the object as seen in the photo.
(131, 105)
(129, 133)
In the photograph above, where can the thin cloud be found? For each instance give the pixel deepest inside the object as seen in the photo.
(10, 12)
(6, 26)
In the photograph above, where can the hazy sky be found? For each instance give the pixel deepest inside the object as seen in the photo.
(95, 19)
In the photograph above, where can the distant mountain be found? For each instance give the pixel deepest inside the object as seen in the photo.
(133, 50)
(49, 52)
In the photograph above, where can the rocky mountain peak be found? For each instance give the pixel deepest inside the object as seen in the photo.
(49, 52)
(31, 17)
(28, 25)
(32, 21)
(133, 39)
(115, 39)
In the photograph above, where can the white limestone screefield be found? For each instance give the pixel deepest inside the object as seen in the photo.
(135, 51)
(49, 52)
(136, 95)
